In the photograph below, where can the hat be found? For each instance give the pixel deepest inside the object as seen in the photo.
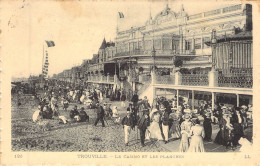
(187, 110)
(162, 107)
(187, 116)
(244, 107)
(224, 107)
(207, 114)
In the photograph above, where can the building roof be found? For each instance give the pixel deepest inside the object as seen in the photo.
(244, 35)
(110, 44)
(103, 45)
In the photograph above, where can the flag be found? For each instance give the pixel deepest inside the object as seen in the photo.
(50, 43)
(121, 15)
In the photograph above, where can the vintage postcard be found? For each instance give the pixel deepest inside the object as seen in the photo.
(129, 82)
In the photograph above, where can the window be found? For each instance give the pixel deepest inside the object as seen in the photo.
(135, 45)
(198, 43)
(166, 44)
(206, 39)
(140, 45)
(148, 45)
(175, 44)
(187, 44)
(131, 46)
(157, 44)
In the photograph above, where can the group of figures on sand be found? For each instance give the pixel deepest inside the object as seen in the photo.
(164, 124)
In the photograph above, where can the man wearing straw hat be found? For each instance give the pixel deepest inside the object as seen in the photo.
(127, 123)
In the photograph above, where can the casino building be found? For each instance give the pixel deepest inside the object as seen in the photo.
(203, 56)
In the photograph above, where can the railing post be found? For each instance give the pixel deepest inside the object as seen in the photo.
(140, 78)
(152, 77)
(213, 78)
(237, 100)
(115, 78)
(213, 100)
(178, 78)
(192, 99)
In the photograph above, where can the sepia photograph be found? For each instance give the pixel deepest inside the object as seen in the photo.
(115, 76)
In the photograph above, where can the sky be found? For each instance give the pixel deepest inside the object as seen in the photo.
(76, 27)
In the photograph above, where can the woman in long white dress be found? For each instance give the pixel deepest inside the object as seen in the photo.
(197, 135)
(154, 128)
(185, 133)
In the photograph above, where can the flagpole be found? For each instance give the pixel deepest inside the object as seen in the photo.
(117, 23)
(42, 61)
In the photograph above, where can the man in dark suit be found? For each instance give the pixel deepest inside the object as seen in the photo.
(83, 115)
(135, 99)
(165, 123)
(142, 124)
(100, 115)
(74, 112)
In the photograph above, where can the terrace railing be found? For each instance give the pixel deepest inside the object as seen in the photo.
(111, 79)
(165, 79)
(239, 78)
(195, 79)
(104, 79)
(128, 53)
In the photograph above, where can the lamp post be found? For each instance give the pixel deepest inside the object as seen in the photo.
(213, 43)
(153, 55)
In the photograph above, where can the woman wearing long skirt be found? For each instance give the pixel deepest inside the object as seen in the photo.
(185, 134)
(175, 128)
(207, 127)
(237, 122)
(223, 135)
(197, 133)
(154, 128)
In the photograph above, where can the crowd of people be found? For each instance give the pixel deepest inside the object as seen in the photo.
(163, 120)
(158, 121)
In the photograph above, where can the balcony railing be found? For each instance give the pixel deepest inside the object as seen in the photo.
(195, 16)
(104, 79)
(111, 79)
(165, 79)
(239, 78)
(160, 52)
(143, 78)
(195, 79)
(128, 53)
